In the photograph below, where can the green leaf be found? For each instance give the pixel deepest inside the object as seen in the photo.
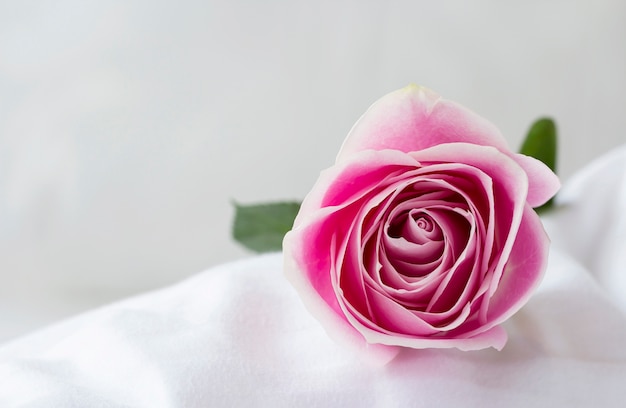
(541, 143)
(261, 227)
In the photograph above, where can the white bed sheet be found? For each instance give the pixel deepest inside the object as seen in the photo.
(237, 335)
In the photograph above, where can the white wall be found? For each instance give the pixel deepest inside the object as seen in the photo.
(127, 126)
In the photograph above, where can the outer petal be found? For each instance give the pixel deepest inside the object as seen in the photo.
(495, 337)
(414, 118)
(524, 270)
(542, 182)
(315, 295)
(337, 182)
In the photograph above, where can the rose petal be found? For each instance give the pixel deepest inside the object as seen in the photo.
(317, 302)
(393, 318)
(524, 269)
(542, 182)
(415, 118)
(493, 337)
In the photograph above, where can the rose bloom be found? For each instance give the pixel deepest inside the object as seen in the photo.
(423, 233)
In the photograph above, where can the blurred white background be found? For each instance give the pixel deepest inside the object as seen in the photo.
(126, 127)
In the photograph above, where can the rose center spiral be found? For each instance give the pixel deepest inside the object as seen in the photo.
(424, 223)
(415, 226)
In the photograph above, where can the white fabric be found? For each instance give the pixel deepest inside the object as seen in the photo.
(237, 335)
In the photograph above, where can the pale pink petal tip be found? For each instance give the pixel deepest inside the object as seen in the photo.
(542, 182)
(415, 118)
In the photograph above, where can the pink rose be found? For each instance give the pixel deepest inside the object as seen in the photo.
(422, 234)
